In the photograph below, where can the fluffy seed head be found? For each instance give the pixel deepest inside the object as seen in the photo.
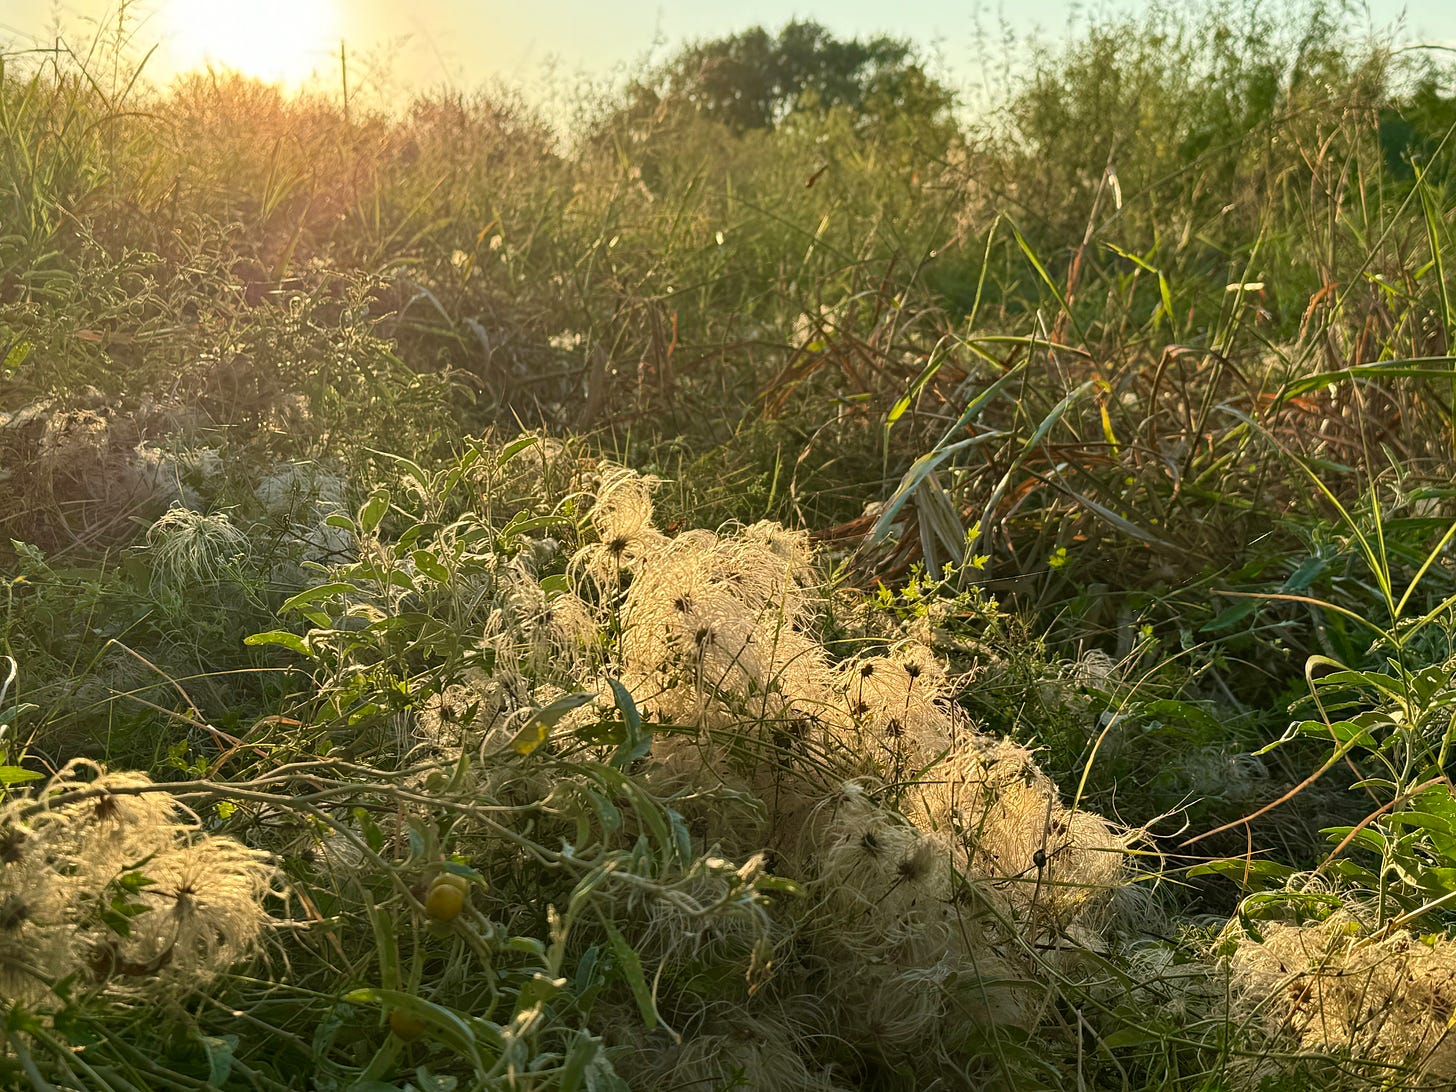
(205, 912)
(1338, 986)
(187, 547)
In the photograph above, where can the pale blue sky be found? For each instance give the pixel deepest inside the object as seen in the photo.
(544, 46)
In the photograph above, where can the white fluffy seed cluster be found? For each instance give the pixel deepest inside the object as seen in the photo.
(106, 880)
(1340, 987)
(185, 547)
(735, 1051)
(299, 498)
(950, 894)
(73, 442)
(950, 884)
(533, 648)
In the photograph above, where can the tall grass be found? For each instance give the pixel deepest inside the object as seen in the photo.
(1116, 412)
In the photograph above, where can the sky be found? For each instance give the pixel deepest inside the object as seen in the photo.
(546, 47)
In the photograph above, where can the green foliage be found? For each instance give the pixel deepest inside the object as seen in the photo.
(1389, 716)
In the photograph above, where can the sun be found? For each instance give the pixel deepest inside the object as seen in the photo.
(278, 41)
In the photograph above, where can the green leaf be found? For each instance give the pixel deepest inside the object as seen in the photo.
(523, 523)
(1388, 685)
(932, 366)
(537, 991)
(386, 943)
(410, 535)
(582, 1052)
(430, 565)
(1308, 572)
(373, 836)
(1342, 732)
(1047, 280)
(14, 357)
(291, 641)
(17, 775)
(1437, 880)
(372, 514)
(15, 712)
(313, 595)
(398, 578)
(538, 726)
(637, 743)
(779, 883)
(1231, 616)
(1426, 685)
(1423, 821)
(1131, 1037)
(219, 1050)
(1432, 367)
(1366, 837)
(134, 881)
(926, 464)
(630, 964)
(464, 871)
(557, 584)
(118, 915)
(528, 946)
(1121, 523)
(514, 448)
(1244, 872)
(1354, 874)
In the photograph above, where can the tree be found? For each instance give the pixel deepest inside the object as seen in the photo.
(755, 80)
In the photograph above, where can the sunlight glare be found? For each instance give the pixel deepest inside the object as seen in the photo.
(278, 41)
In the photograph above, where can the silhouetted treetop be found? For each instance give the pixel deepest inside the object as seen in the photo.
(754, 80)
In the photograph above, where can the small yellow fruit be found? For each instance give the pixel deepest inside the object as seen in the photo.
(444, 901)
(406, 1025)
(450, 879)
